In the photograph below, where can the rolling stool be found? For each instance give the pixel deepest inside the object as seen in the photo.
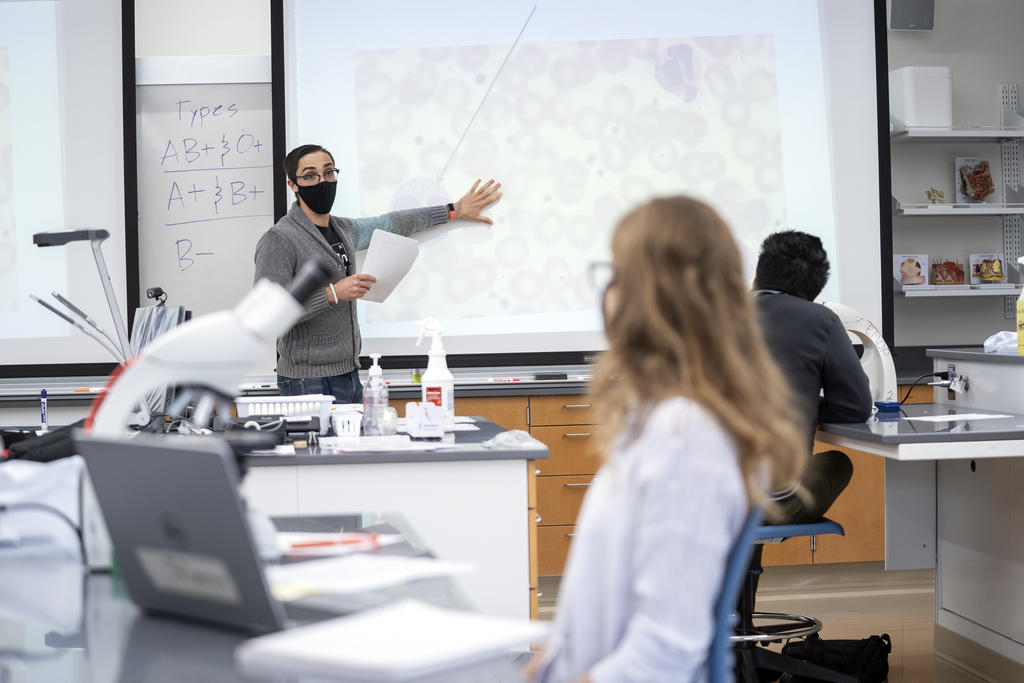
(779, 626)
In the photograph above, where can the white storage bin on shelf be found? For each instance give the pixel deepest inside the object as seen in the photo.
(922, 96)
(290, 406)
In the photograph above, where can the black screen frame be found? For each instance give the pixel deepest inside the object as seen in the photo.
(131, 214)
(884, 172)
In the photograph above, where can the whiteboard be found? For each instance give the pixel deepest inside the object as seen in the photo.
(205, 179)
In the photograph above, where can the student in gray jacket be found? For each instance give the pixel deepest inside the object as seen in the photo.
(320, 354)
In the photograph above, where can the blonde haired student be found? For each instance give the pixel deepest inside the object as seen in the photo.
(698, 423)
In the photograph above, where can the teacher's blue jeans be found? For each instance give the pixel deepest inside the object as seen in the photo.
(344, 388)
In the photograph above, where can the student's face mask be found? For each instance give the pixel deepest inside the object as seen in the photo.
(320, 197)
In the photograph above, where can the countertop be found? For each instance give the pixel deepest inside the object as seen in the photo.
(466, 446)
(908, 431)
(976, 355)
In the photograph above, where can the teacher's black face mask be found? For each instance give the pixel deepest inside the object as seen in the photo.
(319, 197)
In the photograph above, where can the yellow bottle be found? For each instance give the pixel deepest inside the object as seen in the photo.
(1020, 317)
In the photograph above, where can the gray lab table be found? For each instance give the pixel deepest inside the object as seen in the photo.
(950, 504)
(907, 438)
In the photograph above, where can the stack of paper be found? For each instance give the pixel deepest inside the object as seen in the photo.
(374, 444)
(355, 574)
(397, 642)
(339, 543)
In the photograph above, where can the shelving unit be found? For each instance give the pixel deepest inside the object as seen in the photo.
(973, 134)
(940, 291)
(1011, 208)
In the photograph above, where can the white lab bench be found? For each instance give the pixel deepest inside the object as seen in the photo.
(468, 503)
(955, 501)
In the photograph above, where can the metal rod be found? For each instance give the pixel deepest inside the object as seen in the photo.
(108, 289)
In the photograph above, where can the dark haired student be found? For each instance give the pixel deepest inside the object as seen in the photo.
(811, 347)
(814, 353)
(320, 354)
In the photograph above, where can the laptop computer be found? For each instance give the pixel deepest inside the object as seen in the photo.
(180, 531)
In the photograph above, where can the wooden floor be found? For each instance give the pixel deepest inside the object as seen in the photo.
(854, 601)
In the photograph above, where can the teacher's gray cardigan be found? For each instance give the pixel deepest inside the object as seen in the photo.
(325, 341)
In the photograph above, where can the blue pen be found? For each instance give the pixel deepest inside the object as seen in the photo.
(42, 408)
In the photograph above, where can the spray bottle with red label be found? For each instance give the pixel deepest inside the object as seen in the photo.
(437, 382)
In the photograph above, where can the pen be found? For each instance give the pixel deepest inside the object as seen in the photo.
(503, 379)
(84, 390)
(42, 409)
(369, 538)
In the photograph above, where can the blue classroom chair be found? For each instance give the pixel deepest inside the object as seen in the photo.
(720, 658)
(778, 626)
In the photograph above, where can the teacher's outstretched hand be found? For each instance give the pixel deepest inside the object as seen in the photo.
(476, 200)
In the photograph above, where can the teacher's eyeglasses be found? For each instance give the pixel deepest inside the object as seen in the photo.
(314, 178)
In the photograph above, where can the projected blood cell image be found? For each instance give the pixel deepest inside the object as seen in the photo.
(8, 251)
(578, 133)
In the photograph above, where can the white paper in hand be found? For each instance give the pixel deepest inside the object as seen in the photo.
(388, 259)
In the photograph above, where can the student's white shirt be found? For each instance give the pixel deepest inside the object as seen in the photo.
(652, 539)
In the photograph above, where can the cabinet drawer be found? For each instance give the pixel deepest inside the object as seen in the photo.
(559, 498)
(561, 410)
(553, 548)
(569, 450)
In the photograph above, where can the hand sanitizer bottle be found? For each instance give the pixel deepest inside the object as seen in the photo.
(438, 384)
(375, 399)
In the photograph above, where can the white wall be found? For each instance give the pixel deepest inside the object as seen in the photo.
(190, 28)
(981, 41)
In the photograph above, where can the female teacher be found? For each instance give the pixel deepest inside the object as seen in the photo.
(320, 354)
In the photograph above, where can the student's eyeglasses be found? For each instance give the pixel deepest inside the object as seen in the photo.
(314, 178)
(600, 275)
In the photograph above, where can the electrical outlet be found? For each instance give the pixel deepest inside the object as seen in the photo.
(951, 368)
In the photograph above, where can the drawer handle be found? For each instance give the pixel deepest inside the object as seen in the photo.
(578, 405)
(576, 435)
(537, 471)
(569, 535)
(538, 519)
(572, 486)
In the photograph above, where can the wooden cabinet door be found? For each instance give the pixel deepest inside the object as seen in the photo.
(506, 411)
(861, 511)
(791, 551)
(922, 393)
(553, 548)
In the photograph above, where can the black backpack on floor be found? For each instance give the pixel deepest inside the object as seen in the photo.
(867, 659)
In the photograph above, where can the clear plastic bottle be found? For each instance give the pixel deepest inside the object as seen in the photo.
(375, 400)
